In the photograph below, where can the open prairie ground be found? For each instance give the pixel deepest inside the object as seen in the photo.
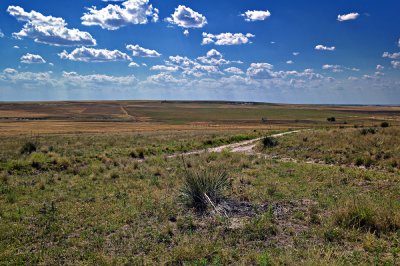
(130, 116)
(110, 183)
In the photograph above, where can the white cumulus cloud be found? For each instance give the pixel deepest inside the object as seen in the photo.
(227, 38)
(48, 29)
(32, 59)
(185, 17)
(325, 48)
(350, 16)
(142, 52)
(256, 15)
(391, 56)
(395, 64)
(113, 16)
(380, 67)
(97, 79)
(233, 70)
(85, 54)
(164, 68)
(133, 64)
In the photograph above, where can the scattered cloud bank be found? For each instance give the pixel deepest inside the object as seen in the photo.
(113, 16)
(227, 38)
(32, 59)
(256, 15)
(395, 64)
(346, 17)
(234, 70)
(48, 29)
(142, 52)
(391, 56)
(321, 47)
(186, 17)
(85, 54)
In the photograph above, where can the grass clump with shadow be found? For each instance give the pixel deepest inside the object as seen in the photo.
(203, 186)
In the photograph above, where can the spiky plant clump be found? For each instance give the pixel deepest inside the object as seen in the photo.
(198, 184)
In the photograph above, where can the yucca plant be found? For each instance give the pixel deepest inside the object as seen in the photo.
(203, 187)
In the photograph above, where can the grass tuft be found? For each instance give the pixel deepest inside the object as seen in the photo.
(200, 183)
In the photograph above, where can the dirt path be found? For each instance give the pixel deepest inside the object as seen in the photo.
(244, 146)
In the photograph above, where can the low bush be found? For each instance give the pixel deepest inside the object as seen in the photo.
(370, 130)
(28, 148)
(385, 124)
(270, 142)
(331, 119)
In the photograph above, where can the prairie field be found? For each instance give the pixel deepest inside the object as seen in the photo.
(198, 183)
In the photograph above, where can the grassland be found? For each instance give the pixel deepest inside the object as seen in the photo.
(84, 198)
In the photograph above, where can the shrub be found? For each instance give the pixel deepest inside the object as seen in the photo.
(28, 148)
(198, 184)
(270, 142)
(385, 124)
(331, 119)
(369, 130)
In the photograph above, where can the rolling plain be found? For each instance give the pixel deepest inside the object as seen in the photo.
(106, 183)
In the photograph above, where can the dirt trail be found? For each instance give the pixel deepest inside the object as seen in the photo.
(244, 146)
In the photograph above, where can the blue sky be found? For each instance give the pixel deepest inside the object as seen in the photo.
(298, 51)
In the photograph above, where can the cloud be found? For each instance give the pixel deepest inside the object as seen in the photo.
(325, 48)
(164, 79)
(85, 54)
(32, 59)
(133, 64)
(380, 67)
(164, 68)
(213, 57)
(391, 56)
(142, 52)
(256, 15)
(97, 80)
(113, 17)
(295, 53)
(16, 47)
(1, 34)
(395, 64)
(186, 33)
(234, 70)
(398, 44)
(333, 68)
(227, 38)
(350, 16)
(13, 76)
(260, 71)
(185, 17)
(289, 62)
(48, 29)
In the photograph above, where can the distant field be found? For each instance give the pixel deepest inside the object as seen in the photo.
(128, 116)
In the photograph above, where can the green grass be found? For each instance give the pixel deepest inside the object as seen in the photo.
(368, 147)
(87, 201)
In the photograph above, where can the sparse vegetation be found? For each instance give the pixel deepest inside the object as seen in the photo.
(385, 124)
(116, 198)
(331, 119)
